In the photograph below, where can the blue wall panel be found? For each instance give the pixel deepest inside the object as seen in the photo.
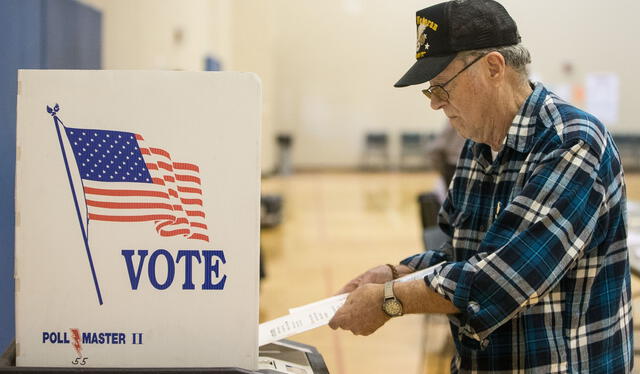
(72, 34)
(89, 38)
(20, 43)
(34, 34)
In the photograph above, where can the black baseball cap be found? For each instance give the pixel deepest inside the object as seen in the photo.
(460, 25)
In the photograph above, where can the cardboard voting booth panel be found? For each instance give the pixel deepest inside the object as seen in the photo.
(137, 219)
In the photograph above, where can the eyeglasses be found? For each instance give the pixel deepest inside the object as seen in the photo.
(439, 91)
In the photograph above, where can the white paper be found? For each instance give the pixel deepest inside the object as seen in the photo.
(420, 274)
(316, 314)
(304, 319)
(337, 300)
(603, 96)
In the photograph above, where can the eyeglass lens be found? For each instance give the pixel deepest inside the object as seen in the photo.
(438, 91)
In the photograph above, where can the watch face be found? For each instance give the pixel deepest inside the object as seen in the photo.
(392, 307)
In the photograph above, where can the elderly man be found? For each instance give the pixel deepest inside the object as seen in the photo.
(535, 274)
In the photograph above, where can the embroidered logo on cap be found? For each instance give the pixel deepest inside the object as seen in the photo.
(422, 39)
(423, 24)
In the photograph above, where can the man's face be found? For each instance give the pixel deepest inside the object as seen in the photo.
(466, 104)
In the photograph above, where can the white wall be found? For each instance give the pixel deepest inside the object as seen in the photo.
(252, 40)
(336, 63)
(337, 60)
(163, 34)
(328, 66)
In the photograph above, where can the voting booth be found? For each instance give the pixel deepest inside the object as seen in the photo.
(137, 219)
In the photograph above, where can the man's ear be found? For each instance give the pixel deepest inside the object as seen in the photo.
(496, 66)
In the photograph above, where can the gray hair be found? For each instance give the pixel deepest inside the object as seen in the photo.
(516, 56)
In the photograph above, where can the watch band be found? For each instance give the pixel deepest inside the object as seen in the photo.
(394, 272)
(388, 290)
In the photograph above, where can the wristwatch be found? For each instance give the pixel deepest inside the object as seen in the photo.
(391, 305)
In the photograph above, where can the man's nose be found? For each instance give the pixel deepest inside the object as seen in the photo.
(436, 102)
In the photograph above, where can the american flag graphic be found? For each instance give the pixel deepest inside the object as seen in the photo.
(124, 180)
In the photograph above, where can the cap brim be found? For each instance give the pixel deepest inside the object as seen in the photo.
(424, 70)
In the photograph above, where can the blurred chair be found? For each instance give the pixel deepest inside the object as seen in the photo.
(629, 148)
(284, 166)
(432, 236)
(444, 151)
(270, 217)
(376, 151)
(270, 211)
(413, 155)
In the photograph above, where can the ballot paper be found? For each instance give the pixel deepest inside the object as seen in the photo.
(317, 314)
(302, 319)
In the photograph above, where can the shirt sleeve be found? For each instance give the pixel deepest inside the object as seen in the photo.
(542, 233)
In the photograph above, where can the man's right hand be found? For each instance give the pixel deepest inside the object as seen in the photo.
(379, 274)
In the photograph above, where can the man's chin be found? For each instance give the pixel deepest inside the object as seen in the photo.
(455, 123)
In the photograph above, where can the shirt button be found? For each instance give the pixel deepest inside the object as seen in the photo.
(473, 307)
(482, 227)
(484, 344)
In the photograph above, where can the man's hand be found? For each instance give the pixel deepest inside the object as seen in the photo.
(378, 275)
(362, 312)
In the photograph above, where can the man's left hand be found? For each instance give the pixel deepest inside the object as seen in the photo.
(362, 312)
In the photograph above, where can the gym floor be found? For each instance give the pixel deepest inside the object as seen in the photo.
(336, 225)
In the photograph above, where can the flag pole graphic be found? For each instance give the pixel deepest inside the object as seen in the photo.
(58, 122)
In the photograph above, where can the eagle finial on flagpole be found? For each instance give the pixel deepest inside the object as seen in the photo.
(53, 111)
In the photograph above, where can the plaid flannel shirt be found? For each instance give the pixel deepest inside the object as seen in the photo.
(537, 259)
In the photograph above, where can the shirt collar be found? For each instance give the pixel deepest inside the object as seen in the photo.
(521, 133)
(522, 130)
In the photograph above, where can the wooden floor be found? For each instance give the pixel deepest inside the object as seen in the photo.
(335, 226)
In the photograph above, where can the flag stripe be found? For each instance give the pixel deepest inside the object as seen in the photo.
(131, 218)
(102, 204)
(191, 201)
(161, 152)
(194, 213)
(200, 237)
(102, 191)
(198, 225)
(190, 190)
(185, 166)
(165, 166)
(187, 178)
(175, 232)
